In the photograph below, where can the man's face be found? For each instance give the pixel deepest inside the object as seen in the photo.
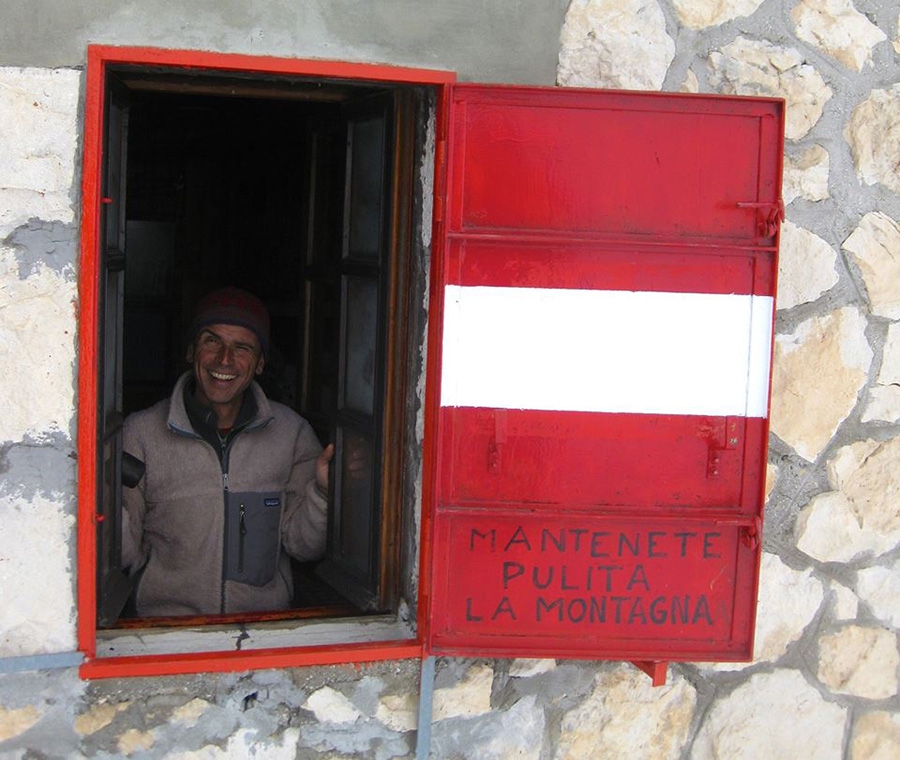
(225, 360)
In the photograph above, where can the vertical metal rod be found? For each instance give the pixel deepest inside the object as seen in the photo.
(426, 693)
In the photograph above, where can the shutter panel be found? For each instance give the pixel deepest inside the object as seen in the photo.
(608, 292)
(113, 585)
(354, 538)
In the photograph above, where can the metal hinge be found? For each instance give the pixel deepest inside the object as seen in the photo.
(720, 437)
(769, 215)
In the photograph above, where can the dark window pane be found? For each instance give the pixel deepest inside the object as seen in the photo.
(366, 184)
(360, 344)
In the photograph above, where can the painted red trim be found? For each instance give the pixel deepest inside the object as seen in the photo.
(226, 662)
(99, 57)
(87, 353)
(310, 67)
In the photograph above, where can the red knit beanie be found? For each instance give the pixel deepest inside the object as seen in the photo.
(232, 306)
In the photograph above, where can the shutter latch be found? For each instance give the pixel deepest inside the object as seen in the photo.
(769, 215)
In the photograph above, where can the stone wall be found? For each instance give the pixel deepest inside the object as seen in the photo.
(824, 680)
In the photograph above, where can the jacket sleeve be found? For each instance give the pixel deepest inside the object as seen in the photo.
(133, 507)
(306, 511)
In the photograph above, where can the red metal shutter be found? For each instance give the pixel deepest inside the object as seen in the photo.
(608, 299)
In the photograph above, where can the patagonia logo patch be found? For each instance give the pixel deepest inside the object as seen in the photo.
(272, 502)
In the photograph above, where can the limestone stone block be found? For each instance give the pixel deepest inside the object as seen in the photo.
(505, 734)
(806, 267)
(875, 247)
(818, 372)
(884, 397)
(861, 661)
(189, 713)
(330, 706)
(627, 717)
(879, 587)
(39, 124)
(615, 44)
(701, 14)
(788, 601)
(859, 517)
(830, 529)
(470, 696)
(98, 717)
(874, 138)
(14, 722)
(838, 29)
(890, 358)
(771, 478)
(756, 67)
(846, 603)
(134, 740)
(884, 404)
(868, 473)
(806, 175)
(876, 736)
(399, 712)
(527, 668)
(773, 715)
(690, 83)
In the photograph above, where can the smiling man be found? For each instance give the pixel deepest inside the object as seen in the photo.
(234, 484)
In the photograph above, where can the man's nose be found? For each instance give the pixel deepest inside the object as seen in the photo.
(226, 354)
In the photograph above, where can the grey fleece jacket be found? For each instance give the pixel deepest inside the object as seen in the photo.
(210, 537)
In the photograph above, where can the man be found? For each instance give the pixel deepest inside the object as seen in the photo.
(233, 482)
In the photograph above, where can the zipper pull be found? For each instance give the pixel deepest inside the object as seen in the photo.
(242, 531)
(225, 480)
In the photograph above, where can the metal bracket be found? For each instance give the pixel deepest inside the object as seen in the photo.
(770, 215)
(720, 437)
(656, 669)
(495, 448)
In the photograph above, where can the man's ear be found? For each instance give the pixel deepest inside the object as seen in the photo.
(260, 363)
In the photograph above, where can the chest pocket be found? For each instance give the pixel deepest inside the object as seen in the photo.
(252, 537)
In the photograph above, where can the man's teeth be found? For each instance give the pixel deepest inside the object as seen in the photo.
(222, 376)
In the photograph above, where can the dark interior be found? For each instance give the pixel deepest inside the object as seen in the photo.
(219, 181)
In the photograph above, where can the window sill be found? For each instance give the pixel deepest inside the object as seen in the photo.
(250, 646)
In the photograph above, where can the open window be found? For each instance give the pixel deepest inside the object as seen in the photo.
(584, 475)
(305, 190)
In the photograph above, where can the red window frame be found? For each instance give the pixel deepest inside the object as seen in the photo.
(99, 58)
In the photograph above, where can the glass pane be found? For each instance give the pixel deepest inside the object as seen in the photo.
(112, 336)
(321, 371)
(359, 348)
(326, 199)
(366, 183)
(355, 514)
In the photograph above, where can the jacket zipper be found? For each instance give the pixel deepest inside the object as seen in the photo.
(242, 531)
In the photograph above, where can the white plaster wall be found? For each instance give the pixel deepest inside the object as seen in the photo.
(38, 299)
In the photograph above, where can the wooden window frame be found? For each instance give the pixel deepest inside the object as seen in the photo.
(192, 657)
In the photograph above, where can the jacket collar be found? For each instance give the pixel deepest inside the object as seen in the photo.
(258, 412)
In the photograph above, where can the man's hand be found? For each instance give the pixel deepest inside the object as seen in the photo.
(322, 463)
